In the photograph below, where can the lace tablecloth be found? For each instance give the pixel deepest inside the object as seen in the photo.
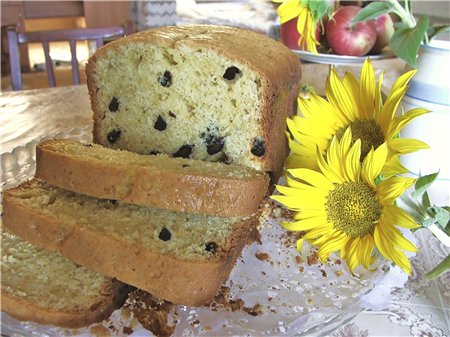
(420, 307)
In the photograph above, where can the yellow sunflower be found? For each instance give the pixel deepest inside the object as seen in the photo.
(306, 25)
(342, 209)
(360, 106)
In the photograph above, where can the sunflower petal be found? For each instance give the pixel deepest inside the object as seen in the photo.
(367, 89)
(309, 213)
(352, 257)
(403, 80)
(399, 122)
(380, 241)
(297, 184)
(353, 165)
(393, 167)
(327, 171)
(300, 244)
(339, 97)
(397, 239)
(396, 216)
(407, 145)
(318, 232)
(345, 142)
(373, 163)
(314, 178)
(378, 96)
(366, 251)
(333, 244)
(305, 224)
(311, 193)
(289, 10)
(389, 108)
(352, 85)
(387, 249)
(390, 189)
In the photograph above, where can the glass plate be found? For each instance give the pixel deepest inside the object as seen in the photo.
(336, 59)
(295, 293)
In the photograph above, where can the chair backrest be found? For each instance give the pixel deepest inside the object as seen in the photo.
(45, 37)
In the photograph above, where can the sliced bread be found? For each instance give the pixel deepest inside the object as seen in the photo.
(44, 287)
(177, 184)
(200, 91)
(181, 257)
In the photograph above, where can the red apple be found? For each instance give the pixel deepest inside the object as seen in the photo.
(385, 29)
(344, 38)
(289, 34)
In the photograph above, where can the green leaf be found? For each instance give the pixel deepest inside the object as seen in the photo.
(428, 222)
(372, 11)
(319, 9)
(440, 269)
(408, 205)
(442, 216)
(435, 31)
(423, 183)
(405, 42)
(426, 200)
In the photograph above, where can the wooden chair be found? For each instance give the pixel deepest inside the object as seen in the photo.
(16, 38)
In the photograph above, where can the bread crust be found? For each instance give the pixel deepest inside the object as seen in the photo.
(151, 185)
(177, 280)
(111, 297)
(277, 67)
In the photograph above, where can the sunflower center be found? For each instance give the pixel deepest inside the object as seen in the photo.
(353, 208)
(368, 131)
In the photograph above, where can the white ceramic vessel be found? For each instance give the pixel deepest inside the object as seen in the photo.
(430, 89)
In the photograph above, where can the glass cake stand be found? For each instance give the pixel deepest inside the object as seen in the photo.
(293, 292)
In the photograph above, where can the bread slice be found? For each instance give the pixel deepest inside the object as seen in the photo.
(207, 92)
(180, 257)
(177, 184)
(44, 287)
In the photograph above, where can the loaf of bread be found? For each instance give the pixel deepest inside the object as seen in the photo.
(181, 257)
(177, 184)
(44, 287)
(206, 92)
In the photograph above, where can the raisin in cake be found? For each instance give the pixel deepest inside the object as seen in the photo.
(206, 92)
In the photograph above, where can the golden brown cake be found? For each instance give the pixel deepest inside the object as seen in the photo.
(206, 92)
(178, 184)
(180, 257)
(44, 287)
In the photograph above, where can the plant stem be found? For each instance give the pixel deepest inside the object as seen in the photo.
(404, 13)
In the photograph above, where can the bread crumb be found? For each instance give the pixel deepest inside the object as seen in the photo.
(262, 256)
(299, 259)
(152, 313)
(278, 211)
(99, 330)
(127, 330)
(222, 301)
(256, 310)
(313, 258)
